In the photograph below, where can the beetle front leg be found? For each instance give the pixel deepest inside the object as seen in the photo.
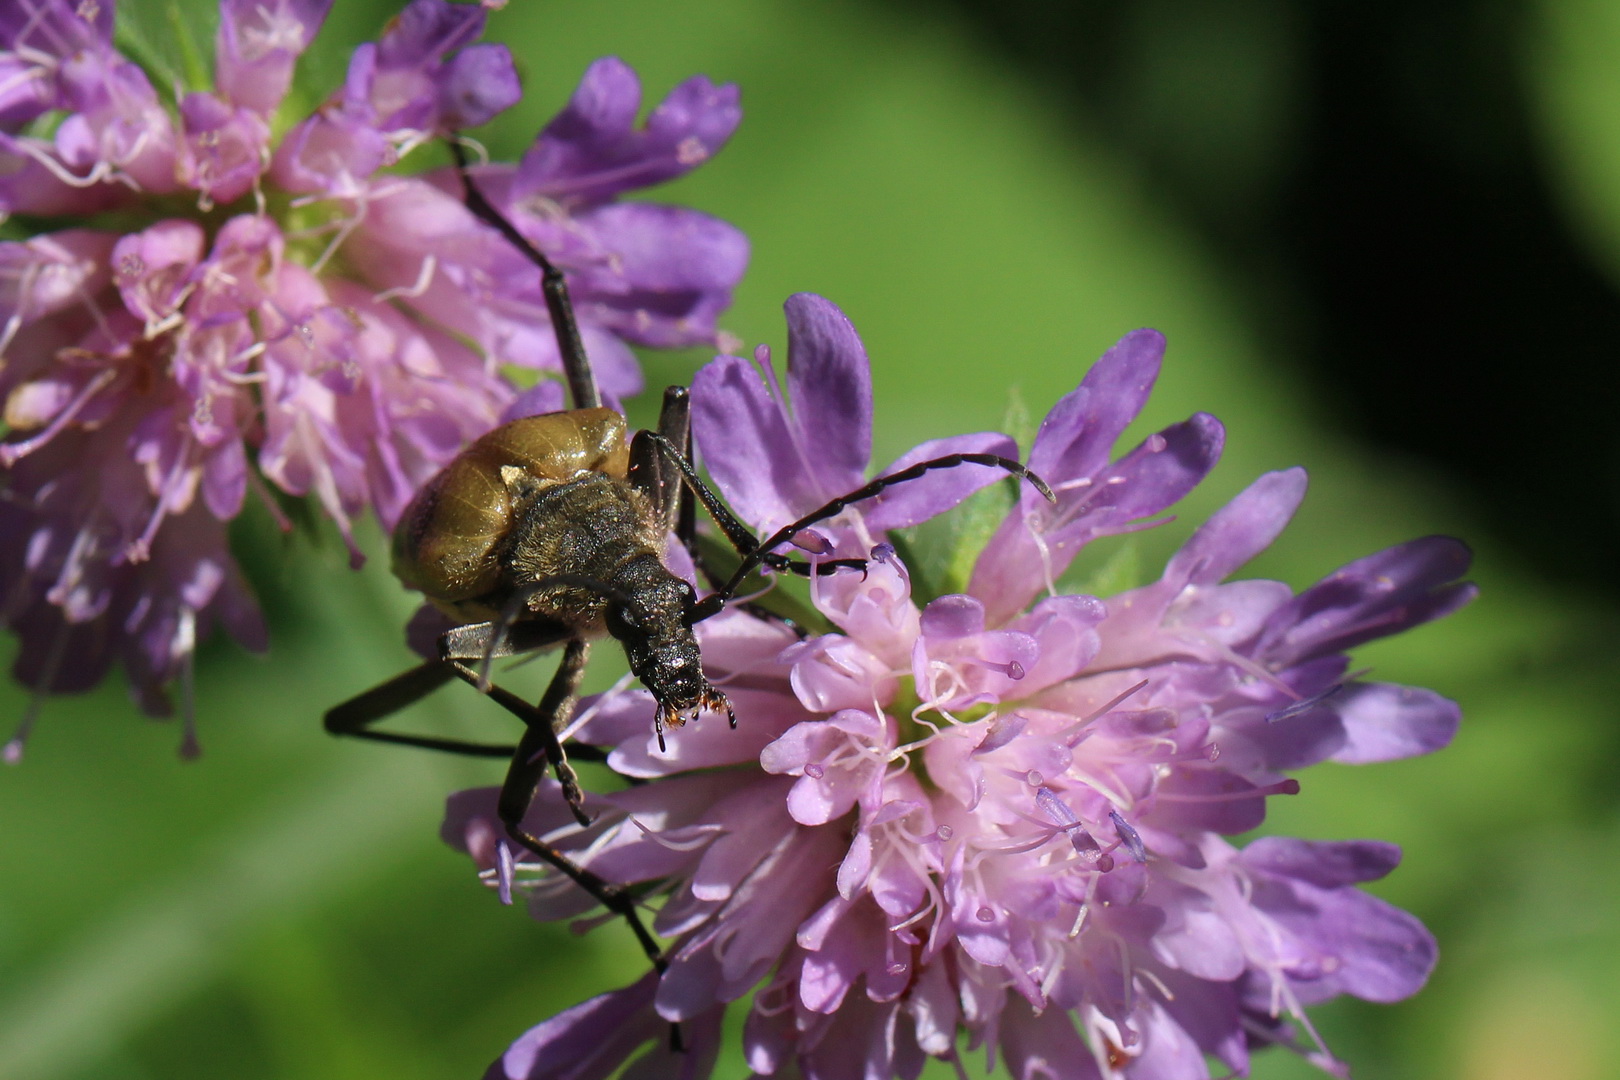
(528, 766)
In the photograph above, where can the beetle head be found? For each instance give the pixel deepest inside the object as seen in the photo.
(651, 616)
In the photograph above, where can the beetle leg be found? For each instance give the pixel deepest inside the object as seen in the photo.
(517, 793)
(539, 743)
(463, 643)
(655, 475)
(355, 716)
(576, 367)
(735, 531)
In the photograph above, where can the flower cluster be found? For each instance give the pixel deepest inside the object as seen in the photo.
(999, 817)
(198, 309)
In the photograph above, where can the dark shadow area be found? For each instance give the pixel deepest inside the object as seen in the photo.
(1372, 168)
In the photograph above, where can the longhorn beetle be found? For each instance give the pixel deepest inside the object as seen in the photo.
(550, 531)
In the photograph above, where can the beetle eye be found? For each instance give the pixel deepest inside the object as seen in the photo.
(622, 621)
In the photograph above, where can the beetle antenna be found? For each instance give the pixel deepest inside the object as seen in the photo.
(712, 604)
(570, 346)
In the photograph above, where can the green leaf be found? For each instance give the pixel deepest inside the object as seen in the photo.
(173, 40)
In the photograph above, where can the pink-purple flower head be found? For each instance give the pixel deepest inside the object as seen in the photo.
(293, 314)
(1003, 818)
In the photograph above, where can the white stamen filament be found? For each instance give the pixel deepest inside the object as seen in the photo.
(11, 453)
(424, 277)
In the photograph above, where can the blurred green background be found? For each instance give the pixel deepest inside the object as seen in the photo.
(1383, 240)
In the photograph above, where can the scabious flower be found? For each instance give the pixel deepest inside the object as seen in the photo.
(1000, 817)
(201, 309)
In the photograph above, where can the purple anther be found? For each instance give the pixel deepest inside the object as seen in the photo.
(1054, 807)
(503, 871)
(1128, 836)
(811, 541)
(815, 771)
(1003, 730)
(1304, 705)
(1084, 844)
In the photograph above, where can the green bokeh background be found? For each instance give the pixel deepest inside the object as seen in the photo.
(283, 907)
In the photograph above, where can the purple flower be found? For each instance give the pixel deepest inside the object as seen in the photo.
(1004, 813)
(317, 326)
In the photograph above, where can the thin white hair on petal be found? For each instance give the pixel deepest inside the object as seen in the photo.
(587, 714)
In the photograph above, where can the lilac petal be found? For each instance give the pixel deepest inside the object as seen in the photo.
(773, 467)
(225, 146)
(1013, 567)
(743, 435)
(1076, 436)
(1231, 614)
(1208, 1013)
(669, 275)
(541, 398)
(57, 28)
(1065, 630)
(1169, 1052)
(1193, 799)
(1386, 722)
(1295, 742)
(24, 95)
(1363, 945)
(224, 483)
(428, 30)
(939, 490)
(1381, 594)
(592, 150)
(935, 1009)
(152, 266)
(478, 83)
(330, 151)
(27, 187)
(258, 46)
(1044, 1047)
(693, 1060)
(953, 616)
(830, 383)
(618, 373)
(706, 742)
(471, 824)
(46, 274)
(424, 629)
(602, 109)
(1195, 938)
(1240, 530)
(587, 1042)
(1154, 476)
(1327, 864)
